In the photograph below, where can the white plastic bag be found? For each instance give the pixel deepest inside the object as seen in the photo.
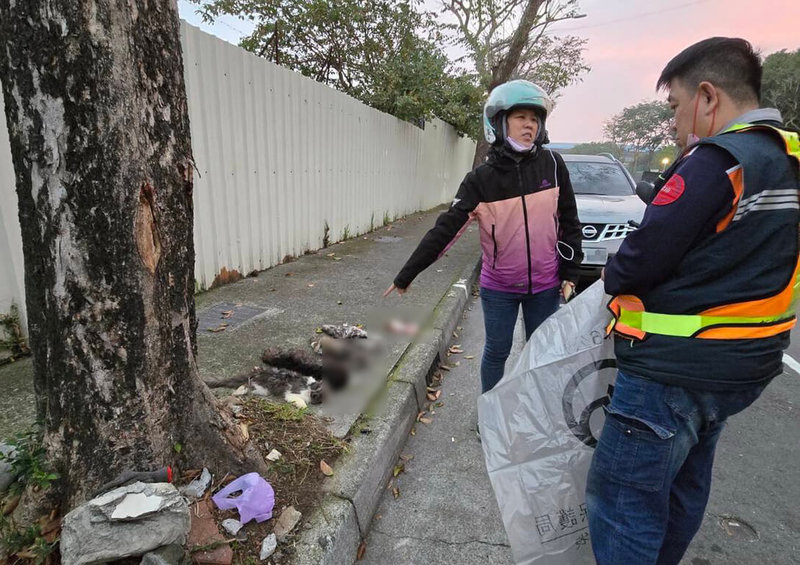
(539, 426)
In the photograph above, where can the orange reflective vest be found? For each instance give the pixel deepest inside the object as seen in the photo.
(751, 319)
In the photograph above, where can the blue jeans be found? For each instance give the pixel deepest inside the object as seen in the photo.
(500, 310)
(650, 476)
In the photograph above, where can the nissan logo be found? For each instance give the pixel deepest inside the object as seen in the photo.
(589, 231)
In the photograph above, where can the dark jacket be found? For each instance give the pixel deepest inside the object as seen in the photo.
(722, 231)
(526, 212)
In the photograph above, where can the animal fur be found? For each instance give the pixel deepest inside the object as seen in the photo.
(291, 386)
(327, 369)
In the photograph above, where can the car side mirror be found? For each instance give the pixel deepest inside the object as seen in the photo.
(646, 191)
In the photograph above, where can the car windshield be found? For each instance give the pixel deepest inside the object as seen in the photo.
(598, 178)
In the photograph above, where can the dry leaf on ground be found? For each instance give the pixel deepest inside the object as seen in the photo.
(362, 549)
(325, 468)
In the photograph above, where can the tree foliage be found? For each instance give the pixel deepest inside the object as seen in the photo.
(596, 148)
(780, 86)
(461, 104)
(382, 52)
(503, 40)
(507, 39)
(389, 54)
(645, 126)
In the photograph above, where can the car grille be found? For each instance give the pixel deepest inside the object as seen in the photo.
(604, 232)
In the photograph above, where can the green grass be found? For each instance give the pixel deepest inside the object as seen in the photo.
(284, 411)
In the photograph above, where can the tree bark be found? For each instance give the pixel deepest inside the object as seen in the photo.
(504, 69)
(97, 112)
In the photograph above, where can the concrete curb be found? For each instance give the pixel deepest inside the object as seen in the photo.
(360, 477)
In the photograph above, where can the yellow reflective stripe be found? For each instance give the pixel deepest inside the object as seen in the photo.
(687, 325)
(792, 142)
(791, 138)
(737, 127)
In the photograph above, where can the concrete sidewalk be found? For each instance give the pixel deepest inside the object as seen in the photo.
(283, 306)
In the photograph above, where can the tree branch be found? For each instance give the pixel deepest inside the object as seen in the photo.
(518, 40)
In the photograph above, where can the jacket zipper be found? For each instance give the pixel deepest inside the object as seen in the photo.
(527, 232)
(494, 241)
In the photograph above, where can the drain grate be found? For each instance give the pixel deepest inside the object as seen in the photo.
(225, 316)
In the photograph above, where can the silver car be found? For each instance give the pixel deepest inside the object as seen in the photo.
(608, 207)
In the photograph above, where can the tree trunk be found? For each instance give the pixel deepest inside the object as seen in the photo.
(505, 68)
(99, 130)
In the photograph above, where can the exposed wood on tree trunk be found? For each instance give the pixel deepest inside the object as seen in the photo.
(99, 131)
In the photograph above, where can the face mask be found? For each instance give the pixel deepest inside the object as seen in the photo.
(517, 146)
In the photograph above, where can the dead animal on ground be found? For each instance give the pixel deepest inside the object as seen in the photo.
(354, 354)
(344, 331)
(291, 386)
(325, 368)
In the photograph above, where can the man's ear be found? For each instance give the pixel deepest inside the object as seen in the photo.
(709, 95)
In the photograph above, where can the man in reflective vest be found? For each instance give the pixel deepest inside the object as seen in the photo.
(704, 298)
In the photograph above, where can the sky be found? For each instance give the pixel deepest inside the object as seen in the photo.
(630, 41)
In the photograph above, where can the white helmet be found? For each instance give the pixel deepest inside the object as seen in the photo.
(514, 94)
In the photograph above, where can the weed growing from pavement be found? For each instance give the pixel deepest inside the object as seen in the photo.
(28, 545)
(346, 235)
(11, 337)
(28, 464)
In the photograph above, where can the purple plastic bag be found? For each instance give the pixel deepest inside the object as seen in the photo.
(256, 501)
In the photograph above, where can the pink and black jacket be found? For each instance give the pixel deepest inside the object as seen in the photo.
(526, 211)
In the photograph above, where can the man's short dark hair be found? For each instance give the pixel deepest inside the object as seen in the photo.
(726, 62)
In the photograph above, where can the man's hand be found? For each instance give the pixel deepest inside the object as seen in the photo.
(400, 291)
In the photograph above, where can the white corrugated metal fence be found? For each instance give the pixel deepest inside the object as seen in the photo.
(280, 158)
